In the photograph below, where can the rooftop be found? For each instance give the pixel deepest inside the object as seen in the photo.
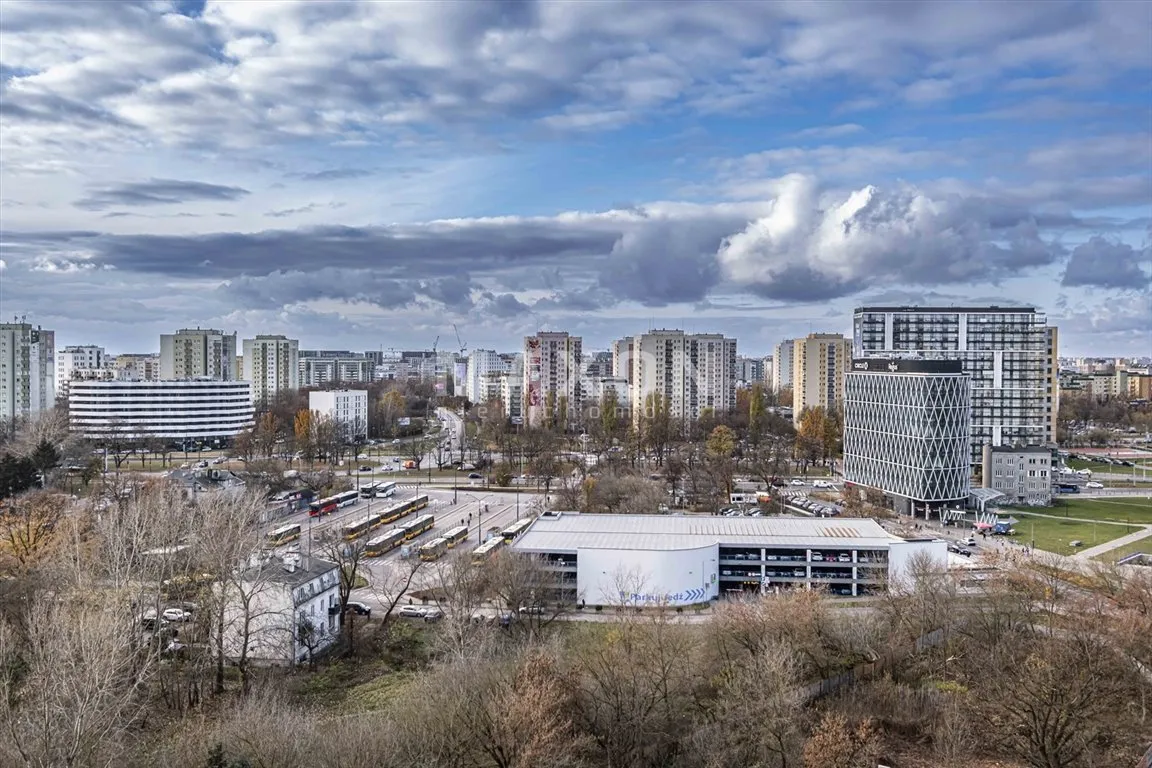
(571, 531)
(947, 310)
(306, 569)
(1020, 449)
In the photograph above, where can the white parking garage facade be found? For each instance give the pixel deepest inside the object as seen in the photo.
(196, 409)
(684, 560)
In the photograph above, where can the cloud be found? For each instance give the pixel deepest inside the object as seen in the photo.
(333, 174)
(157, 192)
(828, 131)
(506, 305)
(809, 249)
(1108, 263)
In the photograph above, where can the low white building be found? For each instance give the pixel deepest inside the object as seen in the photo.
(82, 363)
(679, 560)
(196, 409)
(347, 407)
(282, 610)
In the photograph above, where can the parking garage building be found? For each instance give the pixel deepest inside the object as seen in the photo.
(682, 560)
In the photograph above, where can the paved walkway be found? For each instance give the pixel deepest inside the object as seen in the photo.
(1107, 546)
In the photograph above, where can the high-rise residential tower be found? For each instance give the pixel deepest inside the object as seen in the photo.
(1009, 353)
(198, 353)
(782, 365)
(27, 370)
(272, 365)
(552, 377)
(819, 362)
(690, 373)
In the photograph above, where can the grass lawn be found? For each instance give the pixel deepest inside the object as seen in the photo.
(1120, 509)
(1099, 466)
(1143, 545)
(1055, 535)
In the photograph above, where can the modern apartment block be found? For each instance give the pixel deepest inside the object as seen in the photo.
(753, 370)
(198, 353)
(27, 370)
(319, 368)
(552, 376)
(782, 365)
(82, 363)
(347, 407)
(819, 363)
(137, 367)
(690, 373)
(906, 430)
(272, 365)
(1008, 353)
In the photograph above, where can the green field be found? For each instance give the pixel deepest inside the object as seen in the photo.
(1054, 535)
(1099, 466)
(1119, 509)
(1143, 545)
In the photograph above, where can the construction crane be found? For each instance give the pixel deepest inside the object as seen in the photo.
(463, 346)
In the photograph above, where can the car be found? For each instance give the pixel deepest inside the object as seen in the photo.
(845, 558)
(954, 549)
(201, 464)
(365, 468)
(797, 482)
(970, 541)
(411, 612)
(432, 613)
(360, 609)
(533, 610)
(474, 476)
(965, 552)
(822, 484)
(1093, 484)
(176, 614)
(1085, 472)
(396, 441)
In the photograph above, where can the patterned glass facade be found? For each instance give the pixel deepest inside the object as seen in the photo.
(906, 432)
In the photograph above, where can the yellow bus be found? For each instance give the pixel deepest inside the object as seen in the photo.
(456, 535)
(434, 549)
(384, 544)
(418, 526)
(284, 534)
(403, 509)
(358, 528)
(512, 532)
(485, 551)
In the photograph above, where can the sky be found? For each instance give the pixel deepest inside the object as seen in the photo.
(365, 175)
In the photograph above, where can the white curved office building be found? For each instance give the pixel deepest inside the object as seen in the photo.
(195, 409)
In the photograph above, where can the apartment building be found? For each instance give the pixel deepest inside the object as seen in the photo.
(819, 362)
(137, 367)
(272, 365)
(27, 370)
(184, 410)
(552, 377)
(1008, 353)
(753, 370)
(690, 373)
(347, 407)
(320, 368)
(82, 363)
(198, 353)
(481, 364)
(782, 365)
(622, 359)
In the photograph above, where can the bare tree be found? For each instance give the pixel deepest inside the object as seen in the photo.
(837, 742)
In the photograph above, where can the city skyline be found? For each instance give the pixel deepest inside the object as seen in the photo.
(359, 176)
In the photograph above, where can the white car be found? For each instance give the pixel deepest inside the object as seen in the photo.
(1085, 472)
(797, 482)
(1093, 484)
(822, 484)
(176, 614)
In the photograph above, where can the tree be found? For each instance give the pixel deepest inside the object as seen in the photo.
(720, 446)
(656, 425)
(609, 414)
(305, 435)
(266, 435)
(835, 742)
(17, 474)
(29, 528)
(756, 420)
(45, 458)
(389, 409)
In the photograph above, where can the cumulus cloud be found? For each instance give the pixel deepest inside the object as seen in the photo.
(1108, 263)
(156, 192)
(809, 249)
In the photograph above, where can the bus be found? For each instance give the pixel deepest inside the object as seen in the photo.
(456, 535)
(483, 552)
(284, 534)
(418, 526)
(434, 549)
(383, 544)
(385, 488)
(512, 532)
(369, 491)
(358, 528)
(329, 505)
(404, 508)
